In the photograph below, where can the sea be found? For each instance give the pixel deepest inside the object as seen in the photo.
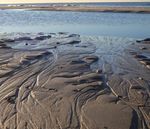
(133, 25)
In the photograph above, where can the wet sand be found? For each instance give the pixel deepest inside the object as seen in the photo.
(82, 8)
(67, 81)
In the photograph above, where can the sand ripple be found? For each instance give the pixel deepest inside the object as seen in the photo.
(62, 81)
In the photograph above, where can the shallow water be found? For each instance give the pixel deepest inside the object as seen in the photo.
(85, 23)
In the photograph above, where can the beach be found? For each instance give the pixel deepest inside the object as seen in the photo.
(70, 81)
(82, 8)
(75, 66)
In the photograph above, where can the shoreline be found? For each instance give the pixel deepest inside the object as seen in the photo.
(83, 9)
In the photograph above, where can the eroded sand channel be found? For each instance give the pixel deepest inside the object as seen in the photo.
(64, 81)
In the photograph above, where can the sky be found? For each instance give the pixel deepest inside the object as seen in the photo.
(57, 1)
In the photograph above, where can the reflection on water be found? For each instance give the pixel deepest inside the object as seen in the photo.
(85, 23)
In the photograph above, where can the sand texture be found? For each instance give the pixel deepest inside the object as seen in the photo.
(64, 81)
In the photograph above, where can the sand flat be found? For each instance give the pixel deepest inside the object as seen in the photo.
(64, 81)
(82, 8)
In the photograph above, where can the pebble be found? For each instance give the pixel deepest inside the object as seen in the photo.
(140, 78)
(98, 71)
(143, 48)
